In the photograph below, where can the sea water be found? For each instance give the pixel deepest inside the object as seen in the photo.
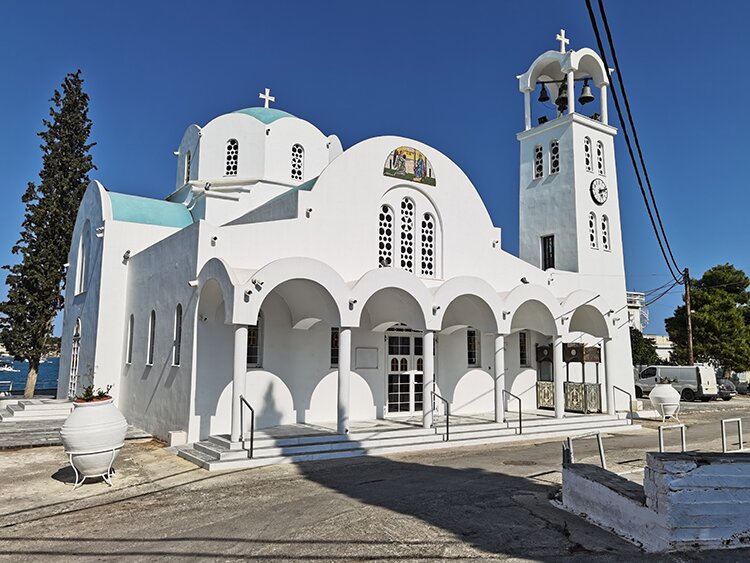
(46, 379)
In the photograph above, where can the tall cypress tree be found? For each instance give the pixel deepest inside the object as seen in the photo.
(36, 283)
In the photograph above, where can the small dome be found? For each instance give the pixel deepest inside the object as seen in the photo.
(266, 115)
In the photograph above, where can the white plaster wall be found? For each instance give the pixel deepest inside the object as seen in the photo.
(469, 390)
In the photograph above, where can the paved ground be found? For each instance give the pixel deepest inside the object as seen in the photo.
(478, 503)
(38, 433)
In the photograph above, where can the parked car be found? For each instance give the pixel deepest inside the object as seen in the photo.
(692, 382)
(741, 382)
(726, 388)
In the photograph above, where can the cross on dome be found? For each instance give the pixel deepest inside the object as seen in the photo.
(559, 37)
(267, 97)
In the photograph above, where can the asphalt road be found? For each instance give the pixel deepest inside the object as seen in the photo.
(471, 503)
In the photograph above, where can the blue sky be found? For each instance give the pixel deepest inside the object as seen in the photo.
(441, 72)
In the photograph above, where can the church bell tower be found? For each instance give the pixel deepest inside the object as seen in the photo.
(569, 210)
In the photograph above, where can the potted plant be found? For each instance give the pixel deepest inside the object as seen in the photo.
(93, 434)
(665, 398)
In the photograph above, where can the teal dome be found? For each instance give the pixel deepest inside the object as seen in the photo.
(266, 115)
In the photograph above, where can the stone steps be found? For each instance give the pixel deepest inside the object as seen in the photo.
(219, 453)
(36, 409)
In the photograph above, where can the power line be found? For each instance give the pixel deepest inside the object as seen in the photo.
(677, 276)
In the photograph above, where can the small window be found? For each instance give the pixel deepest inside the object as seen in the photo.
(385, 237)
(587, 154)
(404, 364)
(605, 233)
(523, 349)
(420, 364)
(131, 326)
(298, 161)
(428, 246)
(554, 156)
(407, 234)
(255, 344)
(334, 347)
(473, 358)
(177, 336)
(593, 238)
(151, 338)
(233, 156)
(600, 158)
(83, 267)
(548, 252)
(188, 161)
(538, 162)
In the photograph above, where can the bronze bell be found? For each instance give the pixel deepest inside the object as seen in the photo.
(544, 95)
(562, 97)
(586, 95)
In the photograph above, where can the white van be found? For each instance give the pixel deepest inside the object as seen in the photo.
(692, 382)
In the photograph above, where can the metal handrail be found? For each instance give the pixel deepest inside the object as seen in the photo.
(520, 414)
(447, 413)
(630, 400)
(244, 402)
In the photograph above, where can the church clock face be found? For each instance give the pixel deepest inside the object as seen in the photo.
(599, 191)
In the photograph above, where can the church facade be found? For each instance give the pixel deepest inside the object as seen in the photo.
(321, 284)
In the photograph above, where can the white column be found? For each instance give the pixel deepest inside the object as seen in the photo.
(609, 381)
(559, 368)
(344, 381)
(527, 109)
(238, 378)
(603, 104)
(428, 377)
(571, 92)
(499, 377)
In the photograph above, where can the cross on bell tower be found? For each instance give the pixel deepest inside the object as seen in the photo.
(267, 98)
(563, 40)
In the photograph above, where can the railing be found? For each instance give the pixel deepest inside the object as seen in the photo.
(569, 456)
(520, 414)
(6, 392)
(447, 413)
(630, 400)
(243, 402)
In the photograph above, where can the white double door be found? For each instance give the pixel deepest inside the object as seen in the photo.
(404, 365)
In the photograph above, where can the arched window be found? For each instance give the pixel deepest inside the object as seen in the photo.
(385, 237)
(407, 234)
(538, 162)
(177, 336)
(129, 353)
(600, 158)
(75, 352)
(404, 364)
(587, 154)
(233, 155)
(420, 364)
(188, 161)
(605, 233)
(151, 338)
(298, 161)
(554, 156)
(427, 249)
(394, 365)
(255, 344)
(593, 239)
(82, 268)
(473, 357)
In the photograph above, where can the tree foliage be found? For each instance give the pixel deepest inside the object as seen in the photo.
(721, 320)
(644, 349)
(35, 284)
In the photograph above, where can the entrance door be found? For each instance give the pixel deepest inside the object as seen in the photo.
(405, 379)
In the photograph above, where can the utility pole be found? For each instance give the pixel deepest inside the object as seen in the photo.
(686, 280)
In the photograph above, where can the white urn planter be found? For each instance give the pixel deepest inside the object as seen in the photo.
(93, 435)
(665, 399)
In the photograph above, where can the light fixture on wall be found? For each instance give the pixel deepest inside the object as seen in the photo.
(193, 283)
(308, 212)
(213, 240)
(505, 314)
(435, 309)
(524, 280)
(257, 283)
(126, 257)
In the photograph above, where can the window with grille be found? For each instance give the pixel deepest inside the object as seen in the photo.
(407, 234)
(473, 357)
(233, 155)
(523, 348)
(177, 348)
(188, 161)
(151, 338)
(587, 154)
(554, 156)
(334, 347)
(427, 249)
(600, 158)
(131, 326)
(593, 239)
(255, 344)
(548, 252)
(385, 237)
(538, 162)
(298, 162)
(605, 233)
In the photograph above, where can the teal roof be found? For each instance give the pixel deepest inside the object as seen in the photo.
(135, 209)
(266, 115)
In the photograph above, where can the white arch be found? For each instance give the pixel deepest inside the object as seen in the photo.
(587, 311)
(528, 293)
(467, 286)
(390, 278)
(218, 270)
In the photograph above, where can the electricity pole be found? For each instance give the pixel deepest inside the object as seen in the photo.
(686, 279)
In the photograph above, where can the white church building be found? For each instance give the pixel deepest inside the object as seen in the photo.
(332, 285)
